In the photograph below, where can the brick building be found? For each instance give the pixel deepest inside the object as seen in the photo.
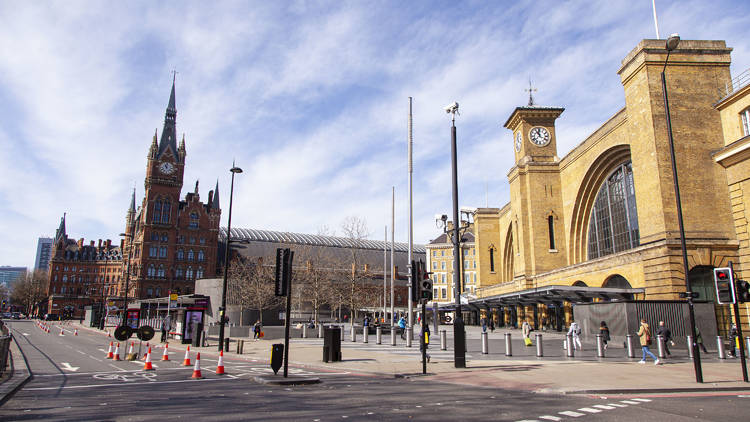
(81, 274)
(168, 242)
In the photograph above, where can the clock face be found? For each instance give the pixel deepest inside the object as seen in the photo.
(539, 136)
(166, 168)
(519, 139)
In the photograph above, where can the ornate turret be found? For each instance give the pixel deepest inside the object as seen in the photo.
(153, 149)
(215, 203)
(168, 141)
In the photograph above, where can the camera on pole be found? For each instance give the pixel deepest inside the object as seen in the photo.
(724, 285)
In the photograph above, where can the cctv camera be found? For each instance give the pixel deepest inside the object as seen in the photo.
(453, 108)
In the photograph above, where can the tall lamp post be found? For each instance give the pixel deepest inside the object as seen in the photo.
(671, 45)
(222, 311)
(127, 278)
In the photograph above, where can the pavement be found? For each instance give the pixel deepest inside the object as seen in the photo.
(554, 373)
(16, 374)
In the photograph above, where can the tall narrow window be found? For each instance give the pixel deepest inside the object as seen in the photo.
(165, 212)
(199, 273)
(194, 221)
(201, 256)
(492, 260)
(157, 211)
(189, 273)
(191, 255)
(160, 273)
(551, 225)
(745, 116)
(180, 254)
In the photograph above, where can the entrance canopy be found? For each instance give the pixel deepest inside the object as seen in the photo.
(551, 295)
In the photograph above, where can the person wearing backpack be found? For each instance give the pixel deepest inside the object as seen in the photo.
(644, 333)
(575, 332)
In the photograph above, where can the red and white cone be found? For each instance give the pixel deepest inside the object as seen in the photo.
(109, 335)
(220, 366)
(117, 352)
(130, 351)
(148, 366)
(109, 352)
(75, 333)
(147, 348)
(186, 362)
(165, 356)
(197, 368)
(62, 332)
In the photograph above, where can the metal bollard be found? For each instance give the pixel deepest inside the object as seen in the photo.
(720, 348)
(661, 347)
(353, 334)
(378, 335)
(508, 345)
(599, 346)
(443, 340)
(690, 346)
(539, 347)
(747, 345)
(240, 346)
(226, 344)
(320, 330)
(365, 335)
(485, 345)
(409, 336)
(393, 336)
(571, 347)
(629, 344)
(304, 330)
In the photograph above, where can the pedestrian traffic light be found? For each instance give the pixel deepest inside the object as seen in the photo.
(425, 283)
(724, 288)
(743, 291)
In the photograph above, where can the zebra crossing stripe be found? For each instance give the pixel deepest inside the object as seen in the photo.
(643, 400)
(603, 406)
(589, 410)
(550, 418)
(618, 405)
(571, 413)
(630, 402)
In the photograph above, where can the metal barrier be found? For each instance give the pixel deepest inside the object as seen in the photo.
(320, 330)
(539, 347)
(393, 335)
(444, 340)
(661, 347)
(722, 354)
(629, 344)
(304, 330)
(747, 345)
(508, 345)
(409, 335)
(485, 345)
(690, 346)
(365, 334)
(570, 346)
(599, 346)
(353, 334)
(378, 335)
(4, 351)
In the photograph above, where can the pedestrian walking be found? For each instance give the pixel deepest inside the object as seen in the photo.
(604, 332)
(256, 330)
(699, 339)
(484, 324)
(733, 335)
(666, 333)
(426, 334)
(166, 327)
(526, 330)
(644, 333)
(575, 332)
(402, 327)
(492, 325)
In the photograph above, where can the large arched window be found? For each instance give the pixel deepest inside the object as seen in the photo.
(165, 212)
(157, 211)
(613, 226)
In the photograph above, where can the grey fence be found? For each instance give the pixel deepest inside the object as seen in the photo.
(5, 340)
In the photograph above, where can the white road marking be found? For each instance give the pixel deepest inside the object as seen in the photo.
(66, 366)
(26, 334)
(528, 420)
(629, 402)
(571, 414)
(98, 360)
(83, 353)
(643, 400)
(618, 405)
(603, 406)
(121, 384)
(589, 410)
(118, 368)
(550, 418)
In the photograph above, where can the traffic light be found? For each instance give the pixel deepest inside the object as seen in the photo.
(425, 283)
(724, 280)
(414, 281)
(743, 291)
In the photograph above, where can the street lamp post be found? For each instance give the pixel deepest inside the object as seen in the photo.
(222, 310)
(127, 278)
(671, 45)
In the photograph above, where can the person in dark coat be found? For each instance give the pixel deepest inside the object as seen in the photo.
(666, 333)
(604, 331)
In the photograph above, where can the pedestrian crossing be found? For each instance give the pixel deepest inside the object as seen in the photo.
(399, 349)
(590, 410)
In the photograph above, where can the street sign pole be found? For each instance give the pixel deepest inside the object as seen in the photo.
(288, 258)
(737, 324)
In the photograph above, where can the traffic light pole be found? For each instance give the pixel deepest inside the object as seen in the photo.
(424, 344)
(737, 324)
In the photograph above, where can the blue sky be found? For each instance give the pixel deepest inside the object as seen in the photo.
(309, 98)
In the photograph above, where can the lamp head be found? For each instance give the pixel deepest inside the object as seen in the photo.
(235, 169)
(673, 41)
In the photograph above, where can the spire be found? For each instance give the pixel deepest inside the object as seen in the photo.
(196, 186)
(154, 146)
(60, 233)
(215, 203)
(132, 202)
(169, 133)
(181, 149)
(531, 90)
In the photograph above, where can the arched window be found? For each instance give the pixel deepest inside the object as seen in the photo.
(193, 220)
(157, 211)
(551, 228)
(189, 273)
(614, 221)
(162, 251)
(492, 260)
(191, 255)
(180, 254)
(179, 272)
(160, 273)
(165, 212)
(199, 273)
(65, 278)
(151, 270)
(201, 256)
(745, 117)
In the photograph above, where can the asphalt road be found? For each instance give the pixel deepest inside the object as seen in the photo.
(73, 381)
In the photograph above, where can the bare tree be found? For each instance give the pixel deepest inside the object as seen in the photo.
(30, 289)
(251, 285)
(356, 278)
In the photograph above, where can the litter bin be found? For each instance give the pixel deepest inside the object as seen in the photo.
(331, 344)
(197, 333)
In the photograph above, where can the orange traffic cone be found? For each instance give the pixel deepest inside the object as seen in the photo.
(165, 356)
(186, 362)
(147, 366)
(147, 348)
(109, 335)
(109, 352)
(62, 332)
(220, 366)
(75, 333)
(117, 352)
(130, 355)
(197, 368)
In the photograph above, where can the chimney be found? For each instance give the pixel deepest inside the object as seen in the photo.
(122, 244)
(210, 197)
(109, 243)
(80, 242)
(91, 243)
(100, 243)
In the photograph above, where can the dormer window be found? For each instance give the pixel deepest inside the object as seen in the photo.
(193, 220)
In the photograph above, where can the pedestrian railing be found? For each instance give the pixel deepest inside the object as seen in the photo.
(5, 339)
